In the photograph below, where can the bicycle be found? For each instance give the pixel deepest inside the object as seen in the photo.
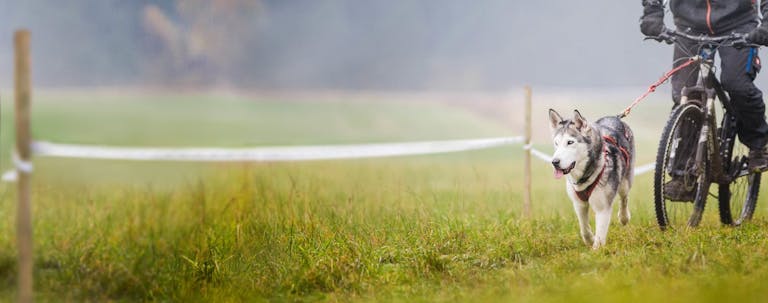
(695, 152)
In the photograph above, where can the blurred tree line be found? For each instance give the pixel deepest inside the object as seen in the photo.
(327, 44)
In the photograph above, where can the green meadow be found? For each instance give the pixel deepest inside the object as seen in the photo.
(430, 228)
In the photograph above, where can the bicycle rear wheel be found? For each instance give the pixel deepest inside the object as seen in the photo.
(681, 186)
(737, 198)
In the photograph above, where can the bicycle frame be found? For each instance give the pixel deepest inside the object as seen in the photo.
(708, 88)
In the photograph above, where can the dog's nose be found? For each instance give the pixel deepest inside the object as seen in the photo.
(556, 162)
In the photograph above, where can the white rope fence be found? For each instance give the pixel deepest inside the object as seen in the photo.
(271, 154)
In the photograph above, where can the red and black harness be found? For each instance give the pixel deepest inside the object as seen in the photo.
(587, 192)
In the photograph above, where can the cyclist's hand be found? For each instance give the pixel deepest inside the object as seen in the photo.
(758, 36)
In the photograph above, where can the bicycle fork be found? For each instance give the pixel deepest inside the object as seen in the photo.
(706, 150)
(701, 149)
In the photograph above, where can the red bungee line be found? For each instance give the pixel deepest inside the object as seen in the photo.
(656, 84)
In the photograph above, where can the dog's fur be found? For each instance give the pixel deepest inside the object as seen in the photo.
(581, 153)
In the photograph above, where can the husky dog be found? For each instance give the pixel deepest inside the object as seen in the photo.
(597, 160)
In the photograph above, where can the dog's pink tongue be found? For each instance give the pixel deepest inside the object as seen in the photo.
(558, 173)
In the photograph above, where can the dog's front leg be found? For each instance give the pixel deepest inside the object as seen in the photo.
(582, 213)
(602, 221)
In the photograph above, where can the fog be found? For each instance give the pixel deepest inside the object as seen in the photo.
(444, 45)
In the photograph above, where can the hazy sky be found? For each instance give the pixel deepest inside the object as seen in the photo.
(351, 44)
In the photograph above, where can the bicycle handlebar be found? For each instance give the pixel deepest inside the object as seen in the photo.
(734, 39)
(704, 38)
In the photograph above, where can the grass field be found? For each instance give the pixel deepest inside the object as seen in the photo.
(425, 228)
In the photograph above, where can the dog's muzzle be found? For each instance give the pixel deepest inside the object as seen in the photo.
(560, 172)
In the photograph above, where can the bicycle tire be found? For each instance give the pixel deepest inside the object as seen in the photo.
(744, 190)
(685, 118)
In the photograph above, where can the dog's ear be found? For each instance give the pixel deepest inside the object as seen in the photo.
(579, 121)
(554, 119)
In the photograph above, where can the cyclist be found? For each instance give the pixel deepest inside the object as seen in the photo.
(739, 66)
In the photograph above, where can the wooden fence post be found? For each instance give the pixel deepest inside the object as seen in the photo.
(23, 169)
(527, 167)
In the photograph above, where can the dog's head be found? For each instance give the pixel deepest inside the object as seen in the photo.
(572, 139)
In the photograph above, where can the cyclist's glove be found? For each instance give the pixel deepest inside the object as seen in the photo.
(652, 21)
(758, 35)
(652, 27)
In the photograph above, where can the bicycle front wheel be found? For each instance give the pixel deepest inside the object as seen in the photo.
(737, 198)
(681, 185)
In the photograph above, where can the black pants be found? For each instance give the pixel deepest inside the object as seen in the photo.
(739, 67)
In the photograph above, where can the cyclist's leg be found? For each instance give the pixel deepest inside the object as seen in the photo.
(739, 69)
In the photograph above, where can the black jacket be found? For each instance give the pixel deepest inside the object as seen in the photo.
(714, 17)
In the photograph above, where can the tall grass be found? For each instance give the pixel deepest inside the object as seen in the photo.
(425, 228)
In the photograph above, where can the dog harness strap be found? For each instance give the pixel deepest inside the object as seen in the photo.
(624, 152)
(587, 192)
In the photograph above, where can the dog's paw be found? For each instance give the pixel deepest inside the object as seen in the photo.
(598, 243)
(624, 217)
(588, 238)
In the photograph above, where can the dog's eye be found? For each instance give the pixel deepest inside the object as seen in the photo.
(569, 142)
